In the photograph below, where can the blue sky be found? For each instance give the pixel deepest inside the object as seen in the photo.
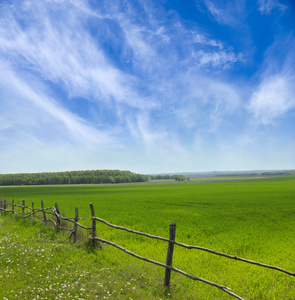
(147, 86)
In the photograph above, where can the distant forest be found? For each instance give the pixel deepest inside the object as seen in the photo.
(72, 177)
(264, 173)
(176, 177)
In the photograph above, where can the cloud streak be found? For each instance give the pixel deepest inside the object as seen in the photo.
(33, 109)
(61, 50)
(134, 80)
(266, 6)
(228, 13)
(274, 97)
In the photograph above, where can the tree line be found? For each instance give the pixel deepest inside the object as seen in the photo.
(176, 177)
(264, 173)
(72, 177)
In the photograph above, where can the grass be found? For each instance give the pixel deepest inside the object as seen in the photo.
(251, 219)
(35, 264)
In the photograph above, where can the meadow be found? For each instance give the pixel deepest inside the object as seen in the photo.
(251, 219)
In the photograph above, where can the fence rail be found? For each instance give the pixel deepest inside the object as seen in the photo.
(54, 211)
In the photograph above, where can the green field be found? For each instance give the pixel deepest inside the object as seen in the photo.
(251, 219)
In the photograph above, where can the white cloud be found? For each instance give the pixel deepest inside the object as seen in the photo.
(207, 103)
(138, 39)
(27, 110)
(229, 12)
(62, 50)
(39, 134)
(267, 6)
(202, 39)
(273, 98)
(216, 59)
(157, 87)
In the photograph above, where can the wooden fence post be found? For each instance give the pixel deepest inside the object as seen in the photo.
(172, 230)
(23, 207)
(75, 225)
(57, 217)
(1, 204)
(93, 225)
(33, 209)
(5, 204)
(44, 214)
(12, 205)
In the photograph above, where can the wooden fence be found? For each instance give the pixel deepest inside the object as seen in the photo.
(27, 211)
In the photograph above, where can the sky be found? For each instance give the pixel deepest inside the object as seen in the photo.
(159, 86)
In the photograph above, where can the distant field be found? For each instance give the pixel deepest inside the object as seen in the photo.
(221, 179)
(254, 219)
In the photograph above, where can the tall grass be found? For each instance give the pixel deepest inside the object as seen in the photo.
(254, 220)
(36, 264)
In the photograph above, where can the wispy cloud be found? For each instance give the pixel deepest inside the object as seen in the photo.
(130, 79)
(227, 12)
(273, 98)
(224, 59)
(61, 50)
(27, 109)
(267, 6)
(205, 40)
(274, 95)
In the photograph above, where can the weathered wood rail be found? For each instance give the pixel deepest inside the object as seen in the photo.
(54, 211)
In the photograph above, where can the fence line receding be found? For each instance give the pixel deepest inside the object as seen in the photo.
(27, 211)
